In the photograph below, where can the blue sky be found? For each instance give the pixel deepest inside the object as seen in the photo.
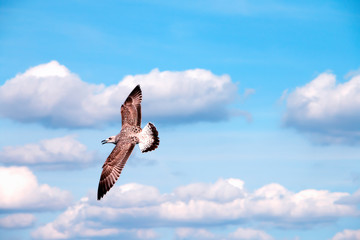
(256, 104)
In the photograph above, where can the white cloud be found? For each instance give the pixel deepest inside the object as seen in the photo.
(193, 233)
(20, 190)
(250, 234)
(248, 92)
(132, 195)
(326, 110)
(18, 220)
(67, 219)
(347, 234)
(224, 202)
(51, 94)
(71, 224)
(50, 153)
(352, 199)
(221, 191)
(203, 234)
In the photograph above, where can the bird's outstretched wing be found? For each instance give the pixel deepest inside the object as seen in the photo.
(113, 166)
(131, 109)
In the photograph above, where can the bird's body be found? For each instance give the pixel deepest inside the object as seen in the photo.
(130, 135)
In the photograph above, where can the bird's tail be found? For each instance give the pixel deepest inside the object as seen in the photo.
(148, 138)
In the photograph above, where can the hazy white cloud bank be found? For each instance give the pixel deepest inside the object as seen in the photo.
(347, 234)
(326, 110)
(51, 94)
(225, 202)
(203, 234)
(18, 220)
(73, 223)
(20, 190)
(62, 152)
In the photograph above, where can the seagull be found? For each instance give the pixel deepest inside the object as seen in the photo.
(130, 135)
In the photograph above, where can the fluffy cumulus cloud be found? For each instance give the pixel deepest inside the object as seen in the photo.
(18, 220)
(50, 153)
(225, 202)
(71, 224)
(51, 94)
(326, 110)
(347, 234)
(20, 190)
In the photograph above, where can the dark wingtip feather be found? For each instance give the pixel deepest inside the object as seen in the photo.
(136, 89)
(103, 189)
(100, 194)
(135, 96)
(107, 181)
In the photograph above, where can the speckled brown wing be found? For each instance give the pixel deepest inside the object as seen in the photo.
(113, 166)
(131, 109)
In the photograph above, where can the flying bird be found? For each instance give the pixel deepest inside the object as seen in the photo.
(130, 135)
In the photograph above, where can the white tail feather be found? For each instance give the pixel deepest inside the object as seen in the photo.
(148, 138)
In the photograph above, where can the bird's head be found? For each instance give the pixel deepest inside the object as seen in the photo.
(109, 140)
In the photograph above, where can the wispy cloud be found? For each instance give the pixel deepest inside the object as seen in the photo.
(199, 205)
(244, 8)
(194, 233)
(56, 153)
(248, 234)
(52, 95)
(325, 110)
(20, 190)
(17, 220)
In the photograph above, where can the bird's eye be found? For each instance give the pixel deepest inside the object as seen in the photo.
(110, 138)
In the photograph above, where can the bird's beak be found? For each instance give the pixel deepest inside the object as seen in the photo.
(104, 141)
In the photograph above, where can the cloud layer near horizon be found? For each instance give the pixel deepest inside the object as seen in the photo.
(199, 205)
(51, 94)
(326, 110)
